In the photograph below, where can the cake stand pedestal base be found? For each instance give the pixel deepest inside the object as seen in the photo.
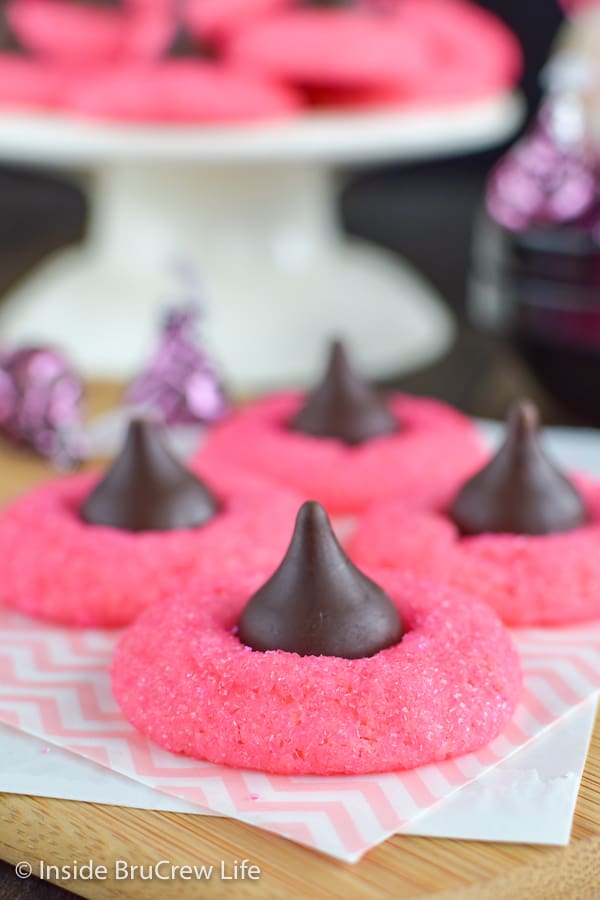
(276, 278)
(252, 209)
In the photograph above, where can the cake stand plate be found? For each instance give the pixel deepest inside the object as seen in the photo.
(253, 211)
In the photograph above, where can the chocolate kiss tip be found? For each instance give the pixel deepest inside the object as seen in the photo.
(333, 4)
(183, 45)
(107, 4)
(9, 42)
(524, 417)
(343, 406)
(318, 603)
(520, 491)
(147, 489)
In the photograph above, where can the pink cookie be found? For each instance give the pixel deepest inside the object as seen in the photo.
(58, 568)
(434, 451)
(420, 50)
(184, 91)
(475, 53)
(334, 47)
(470, 69)
(76, 33)
(26, 83)
(219, 18)
(542, 580)
(182, 677)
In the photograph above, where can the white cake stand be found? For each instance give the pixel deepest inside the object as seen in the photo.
(254, 210)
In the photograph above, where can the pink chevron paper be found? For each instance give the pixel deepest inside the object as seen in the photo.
(54, 684)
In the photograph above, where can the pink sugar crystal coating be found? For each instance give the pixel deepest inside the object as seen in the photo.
(435, 450)
(183, 678)
(56, 567)
(543, 580)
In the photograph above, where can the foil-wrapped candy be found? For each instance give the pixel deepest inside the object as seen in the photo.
(542, 182)
(180, 384)
(41, 404)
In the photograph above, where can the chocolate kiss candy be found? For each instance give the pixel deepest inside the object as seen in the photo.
(344, 406)
(9, 42)
(107, 4)
(329, 4)
(185, 45)
(180, 381)
(318, 603)
(147, 489)
(520, 491)
(41, 404)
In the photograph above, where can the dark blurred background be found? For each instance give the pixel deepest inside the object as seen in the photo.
(425, 212)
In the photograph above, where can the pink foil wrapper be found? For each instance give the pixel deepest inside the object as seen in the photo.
(573, 6)
(539, 182)
(41, 404)
(180, 384)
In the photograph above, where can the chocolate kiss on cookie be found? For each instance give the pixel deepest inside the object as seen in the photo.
(9, 42)
(185, 45)
(328, 4)
(147, 489)
(343, 406)
(318, 603)
(105, 4)
(520, 491)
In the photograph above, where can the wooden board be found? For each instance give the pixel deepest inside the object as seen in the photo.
(59, 832)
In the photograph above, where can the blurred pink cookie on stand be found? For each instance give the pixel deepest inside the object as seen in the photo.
(25, 82)
(84, 33)
(220, 18)
(415, 52)
(186, 85)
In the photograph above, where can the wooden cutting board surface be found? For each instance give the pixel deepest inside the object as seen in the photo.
(58, 832)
